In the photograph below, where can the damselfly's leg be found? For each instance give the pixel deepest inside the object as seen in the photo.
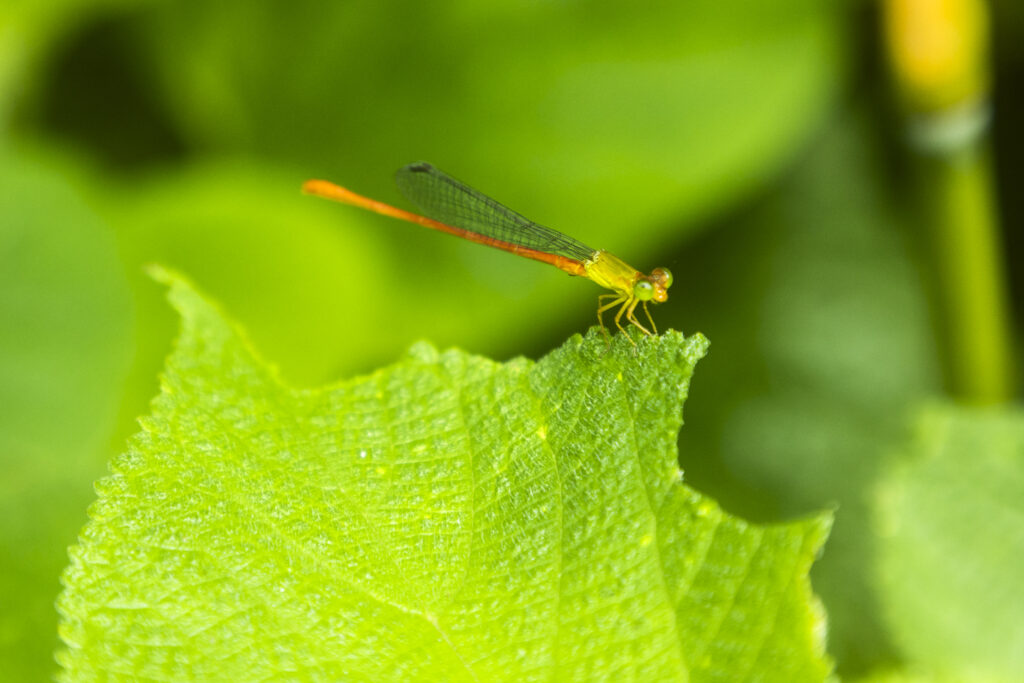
(654, 327)
(628, 304)
(631, 317)
(601, 308)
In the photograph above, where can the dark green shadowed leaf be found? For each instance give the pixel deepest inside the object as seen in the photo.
(446, 518)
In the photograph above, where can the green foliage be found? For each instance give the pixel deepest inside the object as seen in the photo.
(64, 350)
(444, 518)
(958, 493)
(304, 92)
(595, 98)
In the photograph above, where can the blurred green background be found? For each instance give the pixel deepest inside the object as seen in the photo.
(757, 149)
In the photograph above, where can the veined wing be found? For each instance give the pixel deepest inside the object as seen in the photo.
(450, 201)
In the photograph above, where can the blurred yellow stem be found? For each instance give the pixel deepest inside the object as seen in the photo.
(938, 56)
(963, 227)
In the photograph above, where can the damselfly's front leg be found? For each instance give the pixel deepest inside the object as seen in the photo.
(631, 316)
(629, 305)
(654, 327)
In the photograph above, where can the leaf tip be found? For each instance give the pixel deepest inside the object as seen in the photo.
(423, 352)
(174, 280)
(167, 276)
(157, 272)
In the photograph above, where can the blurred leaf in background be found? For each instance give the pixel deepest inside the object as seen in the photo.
(614, 126)
(65, 350)
(950, 517)
(634, 118)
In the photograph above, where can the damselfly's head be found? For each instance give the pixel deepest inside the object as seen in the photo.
(653, 287)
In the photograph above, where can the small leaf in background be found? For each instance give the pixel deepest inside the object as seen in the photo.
(445, 518)
(65, 348)
(951, 548)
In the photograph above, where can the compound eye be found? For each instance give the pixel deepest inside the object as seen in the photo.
(643, 290)
(662, 276)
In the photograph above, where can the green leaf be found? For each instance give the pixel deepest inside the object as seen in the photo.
(65, 332)
(951, 527)
(445, 518)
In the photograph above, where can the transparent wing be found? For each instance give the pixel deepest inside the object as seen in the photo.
(449, 201)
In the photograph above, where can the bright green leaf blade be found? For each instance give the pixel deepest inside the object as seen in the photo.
(446, 518)
(65, 332)
(951, 520)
